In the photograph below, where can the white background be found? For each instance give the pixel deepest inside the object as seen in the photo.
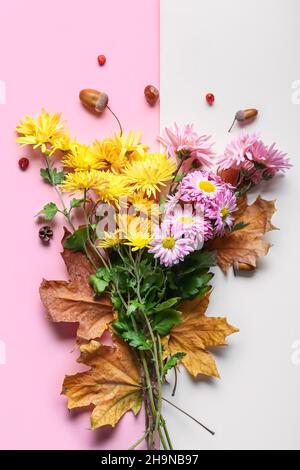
(247, 53)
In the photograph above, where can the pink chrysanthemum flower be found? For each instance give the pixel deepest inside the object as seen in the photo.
(238, 152)
(200, 187)
(170, 246)
(276, 160)
(190, 221)
(214, 197)
(221, 211)
(209, 233)
(248, 152)
(170, 206)
(186, 143)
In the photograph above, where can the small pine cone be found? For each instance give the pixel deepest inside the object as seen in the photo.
(46, 234)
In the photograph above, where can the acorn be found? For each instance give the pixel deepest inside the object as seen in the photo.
(243, 267)
(94, 100)
(151, 95)
(244, 115)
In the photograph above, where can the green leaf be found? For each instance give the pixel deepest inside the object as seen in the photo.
(203, 291)
(103, 273)
(240, 226)
(100, 281)
(99, 285)
(191, 277)
(156, 279)
(120, 326)
(45, 174)
(76, 203)
(167, 304)
(137, 340)
(164, 321)
(116, 301)
(120, 278)
(133, 307)
(191, 286)
(173, 361)
(78, 240)
(195, 261)
(52, 176)
(49, 211)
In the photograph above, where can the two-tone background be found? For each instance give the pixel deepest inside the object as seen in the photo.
(247, 54)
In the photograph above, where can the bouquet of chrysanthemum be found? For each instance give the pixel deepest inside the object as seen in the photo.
(140, 261)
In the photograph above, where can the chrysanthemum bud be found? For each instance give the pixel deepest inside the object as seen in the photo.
(94, 100)
(230, 176)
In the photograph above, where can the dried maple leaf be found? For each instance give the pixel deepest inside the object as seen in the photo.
(244, 247)
(195, 334)
(112, 384)
(74, 301)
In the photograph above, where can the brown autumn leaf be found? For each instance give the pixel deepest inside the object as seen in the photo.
(112, 385)
(243, 248)
(74, 301)
(195, 334)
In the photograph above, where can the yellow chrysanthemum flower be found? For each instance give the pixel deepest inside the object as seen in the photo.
(110, 159)
(81, 157)
(149, 174)
(80, 181)
(144, 205)
(119, 150)
(109, 240)
(62, 143)
(139, 240)
(41, 132)
(132, 143)
(136, 231)
(111, 187)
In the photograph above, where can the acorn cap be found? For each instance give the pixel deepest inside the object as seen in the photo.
(94, 100)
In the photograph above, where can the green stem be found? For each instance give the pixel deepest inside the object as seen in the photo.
(65, 211)
(89, 257)
(164, 426)
(162, 440)
(157, 359)
(142, 439)
(189, 416)
(149, 391)
(157, 371)
(175, 175)
(155, 404)
(92, 245)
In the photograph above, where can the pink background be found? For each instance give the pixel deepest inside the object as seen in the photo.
(48, 53)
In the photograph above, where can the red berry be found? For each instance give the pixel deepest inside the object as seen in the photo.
(24, 163)
(101, 60)
(210, 98)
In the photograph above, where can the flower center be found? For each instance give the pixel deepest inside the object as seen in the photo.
(207, 186)
(224, 213)
(168, 243)
(186, 220)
